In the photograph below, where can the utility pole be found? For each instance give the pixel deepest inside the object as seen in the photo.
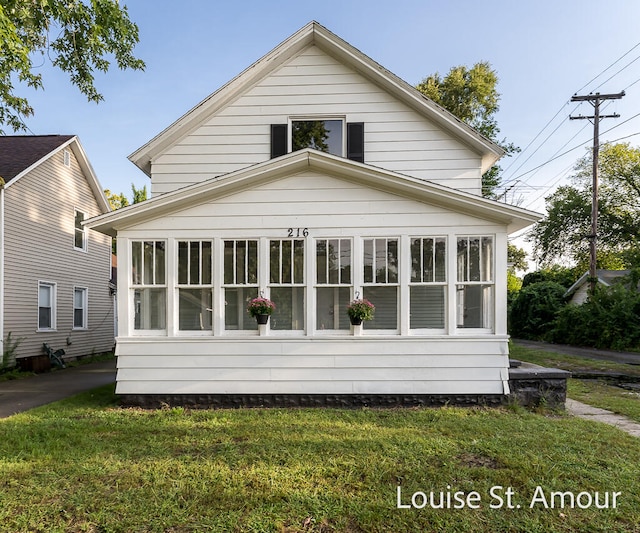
(594, 100)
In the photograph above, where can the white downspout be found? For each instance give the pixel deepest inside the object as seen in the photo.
(2, 183)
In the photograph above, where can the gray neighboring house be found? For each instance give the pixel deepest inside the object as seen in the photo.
(54, 273)
(578, 293)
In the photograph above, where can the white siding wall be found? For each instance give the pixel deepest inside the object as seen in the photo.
(314, 84)
(39, 239)
(463, 362)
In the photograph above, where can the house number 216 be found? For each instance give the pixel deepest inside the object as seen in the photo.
(298, 232)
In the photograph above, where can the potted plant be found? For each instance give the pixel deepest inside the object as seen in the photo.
(359, 310)
(261, 308)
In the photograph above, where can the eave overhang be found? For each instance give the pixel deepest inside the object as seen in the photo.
(513, 218)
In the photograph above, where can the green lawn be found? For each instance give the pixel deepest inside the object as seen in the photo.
(85, 464)
(597, 392)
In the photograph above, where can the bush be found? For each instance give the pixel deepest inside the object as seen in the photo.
(610, 318)
(534, 310)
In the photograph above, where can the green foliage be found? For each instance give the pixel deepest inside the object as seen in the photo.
(116, 201)
(610, 318)
(77, 36)
(517, 257)
(534, 310)
(562, 275)
(139, 195)
(10, 346)
(562, 234)
(471, 95)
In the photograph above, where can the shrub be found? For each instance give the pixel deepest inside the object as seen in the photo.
(534, 310)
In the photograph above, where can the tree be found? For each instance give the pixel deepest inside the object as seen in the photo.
(116, 201)
(471, 95)
(76, 35)
(563, 233)
(139, 195)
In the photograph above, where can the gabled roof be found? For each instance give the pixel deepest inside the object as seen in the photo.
(19, 154)
(316, 34)
(605, 278)
(515, 218)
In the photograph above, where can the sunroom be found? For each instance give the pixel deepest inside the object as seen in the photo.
(419, 284)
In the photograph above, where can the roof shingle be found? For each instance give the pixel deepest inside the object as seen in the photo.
(19, 152)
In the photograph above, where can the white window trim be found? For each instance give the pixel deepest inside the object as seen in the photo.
(85, 233)
(455, 284)
(53, 286)
(299, 118)
(85, 308)
(170, 248)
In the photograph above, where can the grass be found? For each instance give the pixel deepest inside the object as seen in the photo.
(84, 464)
(597, 392)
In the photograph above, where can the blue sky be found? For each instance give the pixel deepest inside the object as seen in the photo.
(543, 51)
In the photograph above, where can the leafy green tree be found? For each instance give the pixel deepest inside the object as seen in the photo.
(564, 232)
(77, 36)
(471, 95)
(139, 195)
(116, 201)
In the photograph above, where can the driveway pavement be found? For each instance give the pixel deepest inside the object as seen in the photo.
(23, 394)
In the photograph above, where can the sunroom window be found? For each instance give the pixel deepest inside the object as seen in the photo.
(240, 283)
(286, 281)
(381, 281)
(148, 279)
(475, 288)
(195, 289)
(428, 283)
(333, 278)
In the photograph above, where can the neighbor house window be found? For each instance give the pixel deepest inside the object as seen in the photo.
(80, 307)
(381, 281)
(474, 291)
(286, 281)
(428, 283)
(240, 283)
(148, 278)
(46, 305)
(80, 232)
(333, 283)
(323, 135)
(195, 285)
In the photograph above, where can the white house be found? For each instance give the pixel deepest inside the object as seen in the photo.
(314, 177)
(54, 273)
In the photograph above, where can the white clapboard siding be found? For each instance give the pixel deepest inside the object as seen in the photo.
(314, 84)
(320, 203)
(299, 366)
(39, 246)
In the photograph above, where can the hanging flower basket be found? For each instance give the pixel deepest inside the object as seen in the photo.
(359, 310)
(261, 309)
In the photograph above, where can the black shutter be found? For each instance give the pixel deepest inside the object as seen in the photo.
(278, 140)
(355, 141)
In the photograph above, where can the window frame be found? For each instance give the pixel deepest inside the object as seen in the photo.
(328, 284)
(52, 286)
(84, 308)
(82, 231)
(488, 317)
(434, 283)
(293, 284)
(201, 280)
(318, 118)
(145, 284)
(245, 284)
(385, 283)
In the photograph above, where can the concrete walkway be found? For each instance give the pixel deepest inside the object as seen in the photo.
(20, 395)
(596, 414)
(583, 410)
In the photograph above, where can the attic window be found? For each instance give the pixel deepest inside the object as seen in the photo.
(67, 158)
(322, 135)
